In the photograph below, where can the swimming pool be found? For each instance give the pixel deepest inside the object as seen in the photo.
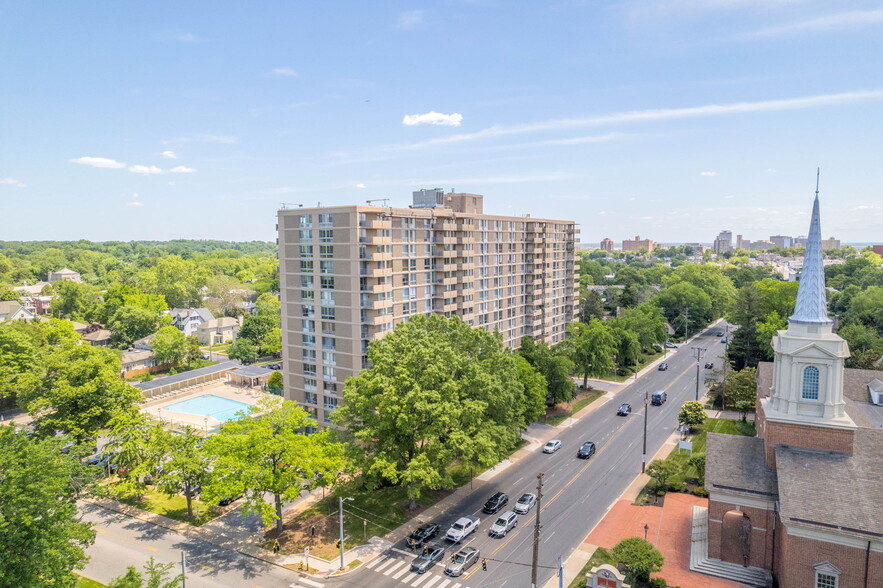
(217, 407)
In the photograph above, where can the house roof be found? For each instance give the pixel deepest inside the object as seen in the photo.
(9, 308)
(144, 340)
(98, 335)
(219, 323)
(32, 290)
(137, 355)
(834, 491)
(252, 371)
(66, 271)
(203, 312)
(736, 463)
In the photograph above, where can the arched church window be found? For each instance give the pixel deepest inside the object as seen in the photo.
(810, 383)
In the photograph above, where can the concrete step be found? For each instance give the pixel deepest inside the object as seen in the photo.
(700, 562)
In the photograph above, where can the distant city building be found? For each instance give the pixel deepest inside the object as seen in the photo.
(830, 243)
(723, 243)
(607, 245)
(782, 241)
(878, 249)
(637, 244)
(800, 241)
(741, 243)
(761, 245)
(349, 274)
(64, 274)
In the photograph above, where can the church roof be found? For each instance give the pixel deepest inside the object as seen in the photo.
(812, 303)
(832, 491)
(735, 463)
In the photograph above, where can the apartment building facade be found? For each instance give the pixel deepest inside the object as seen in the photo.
(349, 274)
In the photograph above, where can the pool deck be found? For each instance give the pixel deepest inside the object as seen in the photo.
(157, 407)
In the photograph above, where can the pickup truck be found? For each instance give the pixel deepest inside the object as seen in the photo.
(462, 528)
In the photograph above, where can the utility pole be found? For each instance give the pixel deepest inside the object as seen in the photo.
(560, 571)
(536, 533)
(644, 453)
(699, 353)
(341, 528)
(686, 323)
(183, 570)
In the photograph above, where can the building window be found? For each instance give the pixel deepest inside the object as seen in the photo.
(310, 385)
(329, 403)
(825, 580)
(311, 397)
(309, 341)
(328, 298)
(308, 310)
(306, 250)
(305, 221)
(328, 313)
(810, 383)
(326, 220)
(326, 235)
(305, 235)
(309, 369)
(326, 251)
(326, 282)
(306, 266)
(329, 373)
(309, 355)
(330, 387)
(326, 267)
(306, 281)
(329, 343)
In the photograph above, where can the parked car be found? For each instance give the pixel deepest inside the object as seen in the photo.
(658, 398)
(670, 345)
(525, 503)
(586, 451)
(462, 528)
(724, 340)
(504, 523)
(719, 334)
(206, 356)
(552, 446)
(495, 503)
(709, 365)
(228, 500)
(462, 561)
(662, 367)
(422, 535)
(624, 410)
(424, 561)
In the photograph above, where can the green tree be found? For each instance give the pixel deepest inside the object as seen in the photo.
(268, 454)
(865, 345)
(268, 304)
(591, 348)
(647, 322)
(737, 385)
(259, 329)
(274, 383)
(638, 557)
(7, 293)
(710, 279)
(185, 466)
(177, 279)
(192, 349)
(18, 360)
(169, 346)
(76, 301)
(77, 391)
(40, 530)
(590, 305)
(662, 470)
(554, 367)
(243, 350)
(535, 390)
(139, 445)
(692, 414)
(687, 307)
(156, 575)
(272, 343)
(130, 323)
(437, 392)
(697, 462)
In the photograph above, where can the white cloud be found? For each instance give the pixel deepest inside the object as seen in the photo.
(284, 72)
(98, 162)
(708, 173)
(145, 170)
(410, 20)
(730, 197)
(135, 203)
(841, 20)
(169, 155)
(13, 182)
(862, 207)
(360, 185)
(433, 118)
(182, 170)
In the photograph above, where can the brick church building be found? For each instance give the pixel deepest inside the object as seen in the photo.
(802, 503)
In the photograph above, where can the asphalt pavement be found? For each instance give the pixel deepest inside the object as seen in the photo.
(576, 493)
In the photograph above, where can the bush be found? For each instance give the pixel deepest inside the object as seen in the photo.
(638, 557)
(658, 583)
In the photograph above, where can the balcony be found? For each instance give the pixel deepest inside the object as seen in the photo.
(376, 224)
(376, 240)
(375, 272)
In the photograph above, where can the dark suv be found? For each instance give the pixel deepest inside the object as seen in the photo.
(657, 398)
(586, 451)
(422, 535)
(495, 503)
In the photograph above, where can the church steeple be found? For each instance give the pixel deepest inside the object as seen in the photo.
(812, 304)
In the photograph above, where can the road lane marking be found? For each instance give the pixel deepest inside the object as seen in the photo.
(384, 564)
(391, 569)
(432, 581)
(124, 538)
(309, 582)
(549, 536)
(420, 580)
(373, 562)
(401, 572)
(445, 583)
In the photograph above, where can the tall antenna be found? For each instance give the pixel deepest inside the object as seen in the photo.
(817, 182)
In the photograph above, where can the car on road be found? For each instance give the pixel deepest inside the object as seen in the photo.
(658, 398)
(586, 451)
(422, 535)
(624, 410)
(462, 528)
(709, 365)
(724, 340)
(495, 503)
(525, 503)
(504, 523)
(462, 561)
(424, 561)
(719, 334)
(552, 446)
(670, 345)
(662, 367)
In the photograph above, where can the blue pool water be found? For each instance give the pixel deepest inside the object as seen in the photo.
(222, 409)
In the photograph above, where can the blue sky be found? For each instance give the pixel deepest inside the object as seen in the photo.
(672, 119)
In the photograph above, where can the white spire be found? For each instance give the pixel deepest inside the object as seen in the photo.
(812, 304)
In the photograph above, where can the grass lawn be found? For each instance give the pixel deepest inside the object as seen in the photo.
(173, 507)
(560, 412)
(87, 583)
(601, 556)
(687, 476)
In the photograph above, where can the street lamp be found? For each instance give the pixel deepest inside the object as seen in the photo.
(700, 351)
(341, 527)
(646, 528)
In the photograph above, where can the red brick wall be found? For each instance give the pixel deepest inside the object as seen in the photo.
(794, 568)
(761, 541)
(805, 436)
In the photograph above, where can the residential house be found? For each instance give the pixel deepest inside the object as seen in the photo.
(218, 331)
(96, 335)
(32, 289)
(11, 310)
(138, 361)
(143, 343)
(36, 305)
(64, 274)
(187, 320)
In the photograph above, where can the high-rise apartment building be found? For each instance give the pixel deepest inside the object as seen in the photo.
(637, 244)
(349, 274)
(723, 242)
(607, 244)
(783, 241)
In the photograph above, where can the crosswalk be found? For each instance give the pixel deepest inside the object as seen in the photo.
(306, 583)
(399, 569)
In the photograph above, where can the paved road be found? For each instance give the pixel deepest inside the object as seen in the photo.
(122, 541)
(576, 493)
